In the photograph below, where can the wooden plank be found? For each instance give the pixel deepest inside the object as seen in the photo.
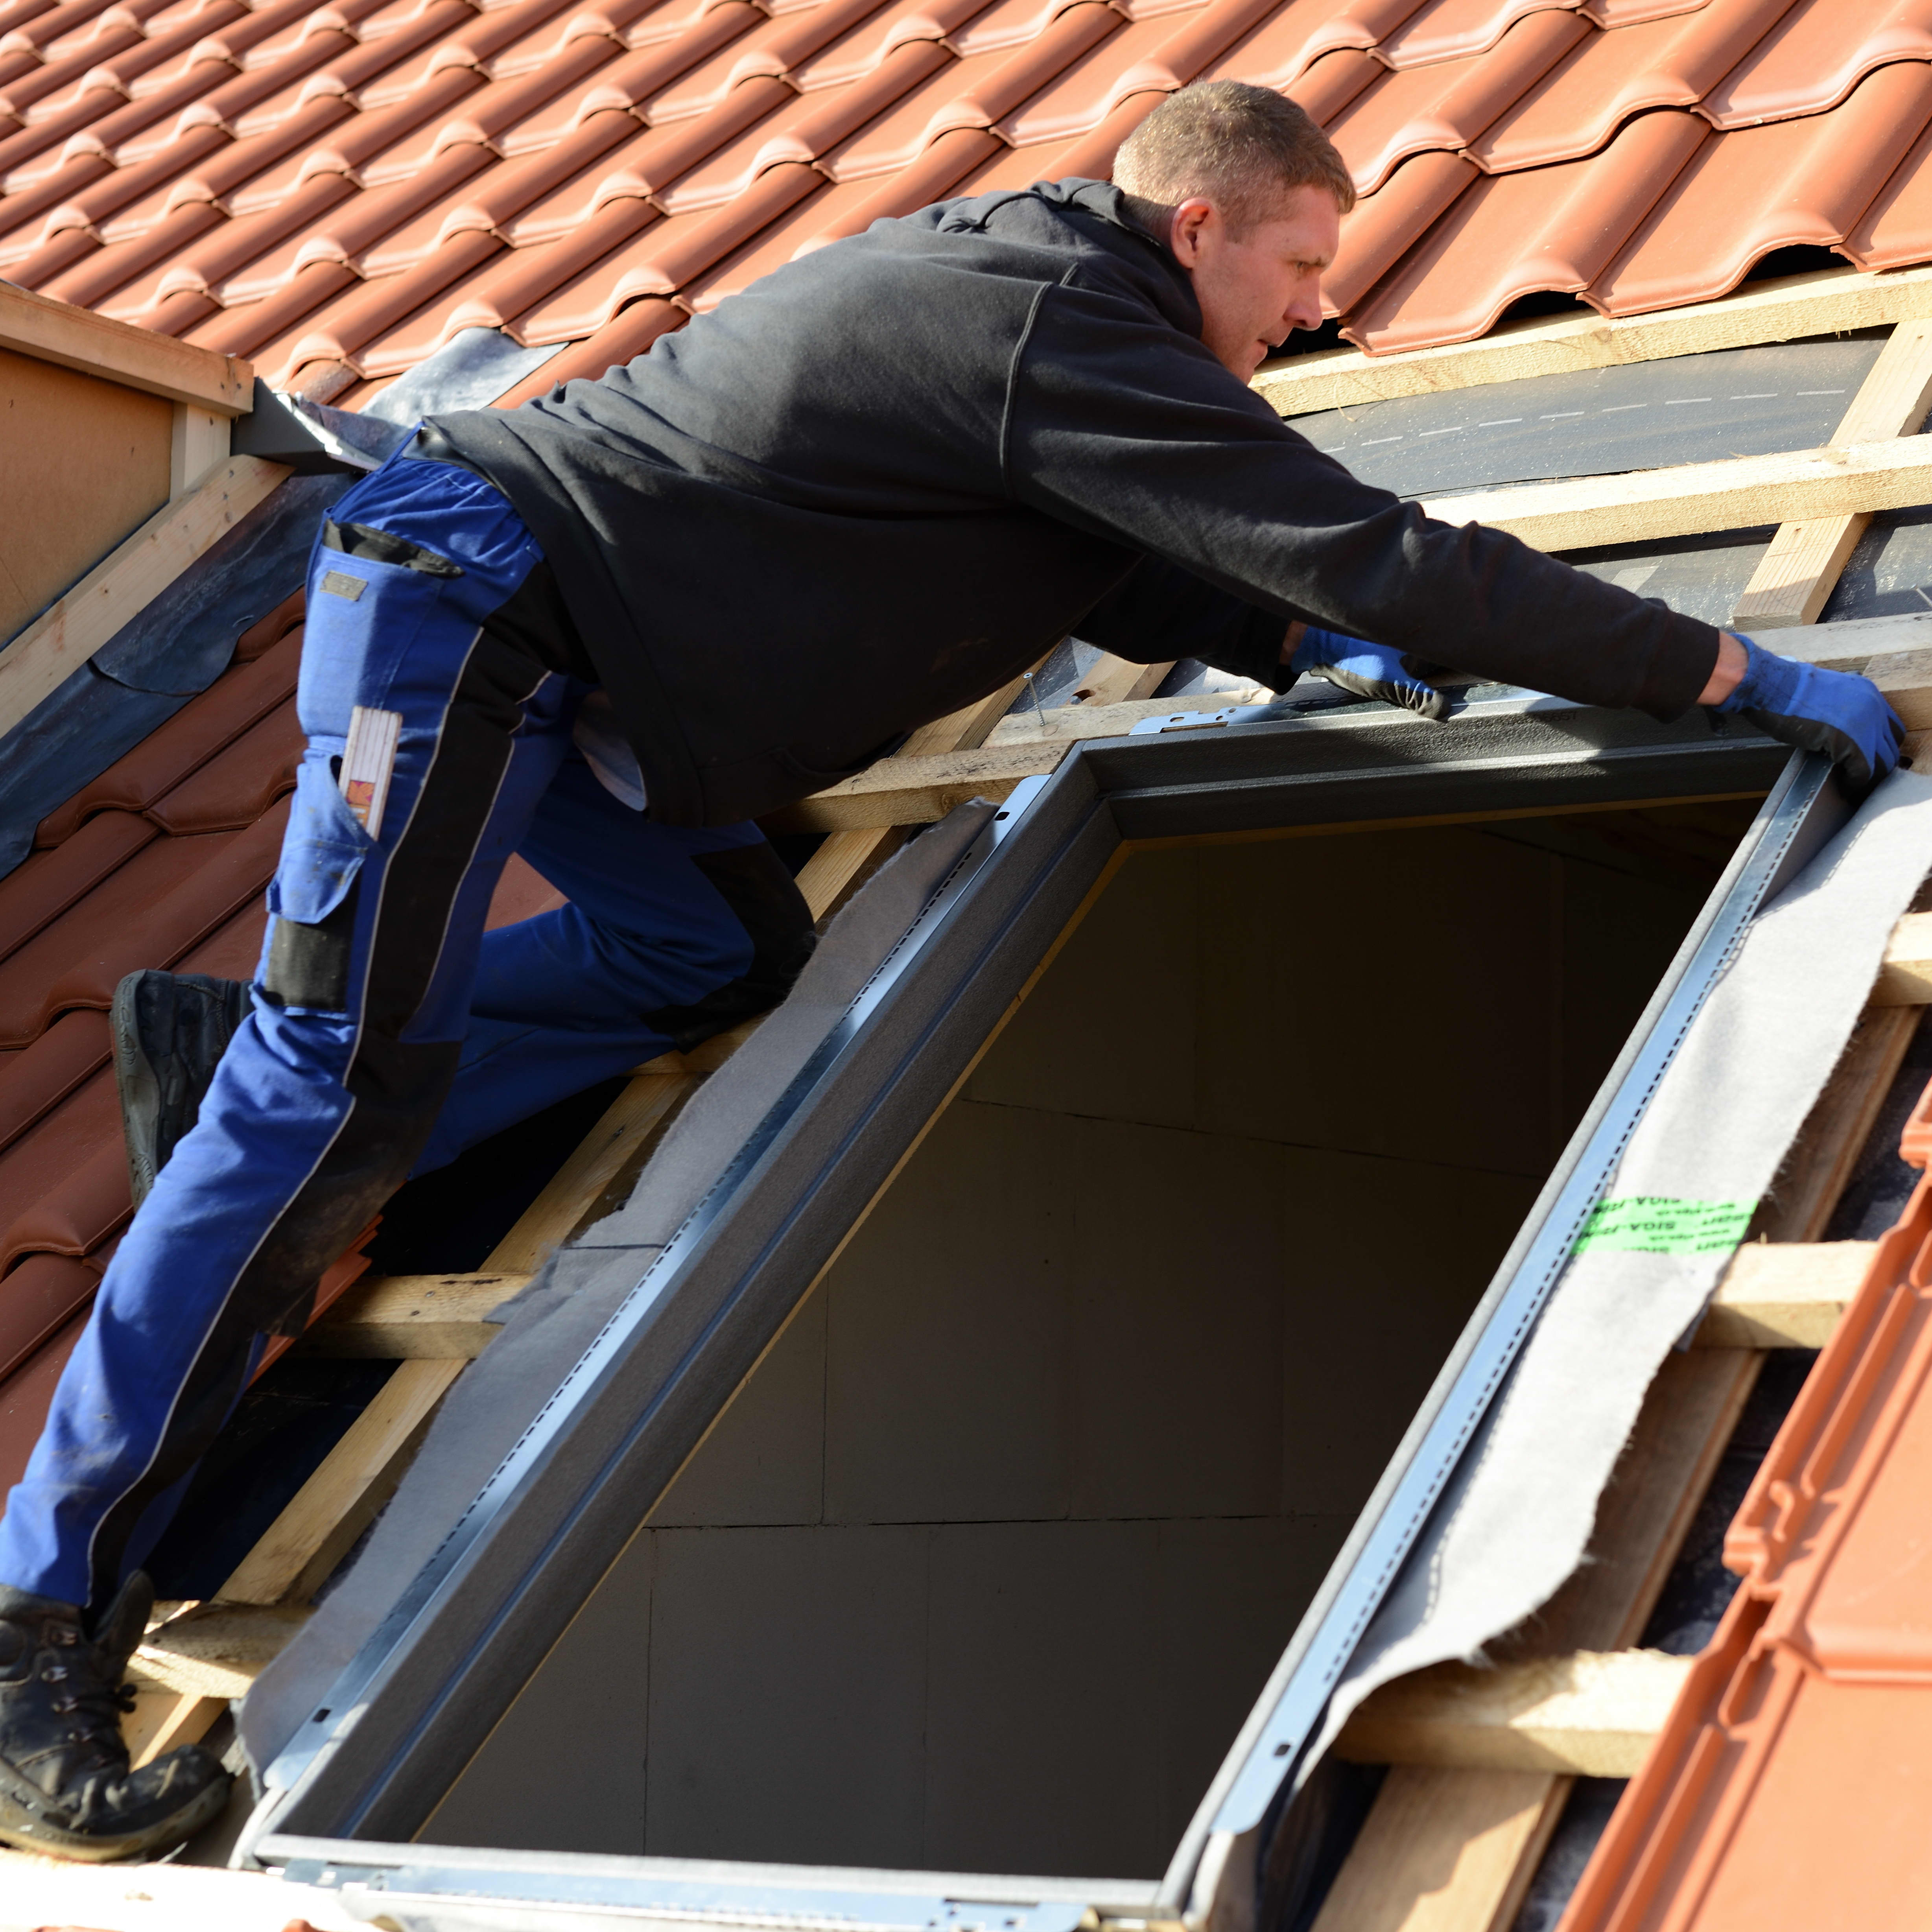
(66, 635)
(1415, 1867)
(1784, 1295)
(1823, 303)
(357, 1476)
(1796, 575)
(212, 1650)
(1437, 1841)
(1905, 978)
(412, 1317)
(1112, 680)
(164, 1897)
(1064, 723)
(198, 441)
(137, 358)
(1693, 499)
(161, 1720)
(905, 790)
(1814, 1174)
(629, 1127)
(1592, 1714)
(850, 856)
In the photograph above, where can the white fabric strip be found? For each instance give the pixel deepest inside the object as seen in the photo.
(1518, 1515)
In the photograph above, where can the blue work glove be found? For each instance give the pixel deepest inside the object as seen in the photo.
(1369, 670)
(1830, 711)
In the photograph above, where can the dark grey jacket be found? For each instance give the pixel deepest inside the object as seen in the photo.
(886, 479)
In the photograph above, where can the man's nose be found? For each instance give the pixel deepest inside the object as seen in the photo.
(1304, 309)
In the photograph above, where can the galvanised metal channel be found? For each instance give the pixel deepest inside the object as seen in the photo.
(370, 1764)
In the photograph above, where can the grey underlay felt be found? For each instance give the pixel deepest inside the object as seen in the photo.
(1598, 422)
(552, 1323)
(986, 1563)
(1517, 1516)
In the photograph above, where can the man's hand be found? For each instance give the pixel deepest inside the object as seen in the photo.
(1830, 711)
(1369, 670)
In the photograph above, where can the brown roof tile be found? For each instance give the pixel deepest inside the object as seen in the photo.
(352, 186)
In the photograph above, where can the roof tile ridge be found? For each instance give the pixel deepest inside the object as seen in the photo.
(491, 32)
(1392, 57)
(810, 30)
(88, 281)
(59, 885)
(841, 111)
(1487, 92)
(51, 75)
(21, 201)
(502, 192)
(1199, 39)
(346, 326)
(929, 20)
(834, 114)
(369, 217)
(1078, 26)
(1875, 55)
(367, 132)
(1681, 62)
(133, 66)
(78, 132)
(30, 1092)
(241, 240)
(54, 23)
(108, 188)
(499, 106)
(646, 70)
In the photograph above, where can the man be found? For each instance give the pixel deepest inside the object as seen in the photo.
(608, 630)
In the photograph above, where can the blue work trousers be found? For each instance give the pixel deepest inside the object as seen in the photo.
(389, 1031)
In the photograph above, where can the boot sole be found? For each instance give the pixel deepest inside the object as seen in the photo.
(85, 1849)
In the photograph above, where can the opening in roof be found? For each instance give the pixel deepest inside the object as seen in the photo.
(984, 1565)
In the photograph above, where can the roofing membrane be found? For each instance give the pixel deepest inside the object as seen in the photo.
(338, 189)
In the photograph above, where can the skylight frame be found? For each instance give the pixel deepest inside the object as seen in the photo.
(417, 1698)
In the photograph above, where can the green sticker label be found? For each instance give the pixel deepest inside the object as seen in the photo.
(1664, 1224)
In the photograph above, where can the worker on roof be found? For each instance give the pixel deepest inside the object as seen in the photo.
(609, 629)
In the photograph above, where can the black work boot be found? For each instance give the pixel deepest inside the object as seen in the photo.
(170, 1030)
(65, 1784)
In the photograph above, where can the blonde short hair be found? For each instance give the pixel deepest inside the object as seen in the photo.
(1242, 148)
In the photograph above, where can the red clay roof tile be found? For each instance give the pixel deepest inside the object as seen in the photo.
(1756, 189)
(37, 1079)
(177, 750)
(148, 912)
(353, 187)
(1816, 55)
(1513, 235)
(1668, 63)
(1445, 106)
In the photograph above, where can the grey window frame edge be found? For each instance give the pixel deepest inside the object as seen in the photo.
(487, 1605)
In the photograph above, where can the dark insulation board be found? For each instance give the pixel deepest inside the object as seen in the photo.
(988, 1562)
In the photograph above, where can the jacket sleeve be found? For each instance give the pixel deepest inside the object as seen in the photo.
(1159, 611)
(1120, 424)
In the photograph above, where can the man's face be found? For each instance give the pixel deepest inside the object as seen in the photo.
(1253, 292)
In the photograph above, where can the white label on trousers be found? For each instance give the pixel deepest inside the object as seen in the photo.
(368, 759)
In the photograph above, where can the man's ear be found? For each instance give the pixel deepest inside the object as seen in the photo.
(1194, 220)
